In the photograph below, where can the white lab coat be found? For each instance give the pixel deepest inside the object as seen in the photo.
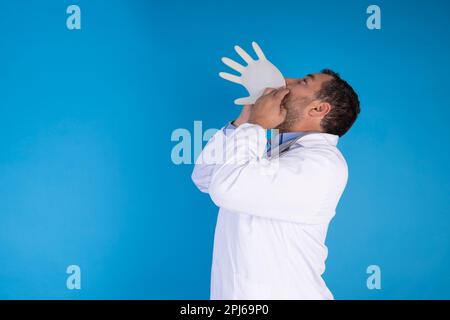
(274, 212)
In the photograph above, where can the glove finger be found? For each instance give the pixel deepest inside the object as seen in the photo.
(244, 55)
(230, 77)
(233, 64)
(244, 101)
(269, 90)
(258, 51)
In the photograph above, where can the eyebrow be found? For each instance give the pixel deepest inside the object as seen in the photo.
(310, 75)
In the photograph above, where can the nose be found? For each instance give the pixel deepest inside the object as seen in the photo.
(288, 80)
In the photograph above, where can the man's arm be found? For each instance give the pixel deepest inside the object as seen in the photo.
(204, 169)
(288, 188)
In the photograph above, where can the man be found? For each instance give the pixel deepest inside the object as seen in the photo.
(276, 204)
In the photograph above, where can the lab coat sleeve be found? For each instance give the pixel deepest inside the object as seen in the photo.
(295, 187)
(208, 160)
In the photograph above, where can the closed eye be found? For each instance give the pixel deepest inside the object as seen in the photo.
(309, 77)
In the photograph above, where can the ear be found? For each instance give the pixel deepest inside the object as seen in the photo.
(320, 110)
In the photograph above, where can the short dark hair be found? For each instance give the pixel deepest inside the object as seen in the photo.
(344, 104)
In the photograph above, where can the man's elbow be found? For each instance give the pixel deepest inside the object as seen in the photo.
(199, 181)
(220, 194)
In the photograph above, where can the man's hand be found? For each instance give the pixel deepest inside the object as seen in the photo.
(267, 110)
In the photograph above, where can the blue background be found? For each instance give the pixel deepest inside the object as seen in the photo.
(86, 118)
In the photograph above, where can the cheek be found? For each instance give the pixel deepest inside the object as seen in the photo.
(297, 93)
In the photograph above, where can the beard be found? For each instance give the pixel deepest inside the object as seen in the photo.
(294, 114)
(289, 121)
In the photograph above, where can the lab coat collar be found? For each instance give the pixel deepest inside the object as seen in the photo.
(311, 138)
(306, 139)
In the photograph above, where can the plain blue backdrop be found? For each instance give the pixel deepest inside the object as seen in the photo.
(86, 118)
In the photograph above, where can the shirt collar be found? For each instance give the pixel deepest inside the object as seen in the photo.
(287, 136)
(307, 137)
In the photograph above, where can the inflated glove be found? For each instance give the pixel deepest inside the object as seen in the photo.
(255, 77)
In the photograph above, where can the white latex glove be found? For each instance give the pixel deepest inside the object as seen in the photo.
(255, 77)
